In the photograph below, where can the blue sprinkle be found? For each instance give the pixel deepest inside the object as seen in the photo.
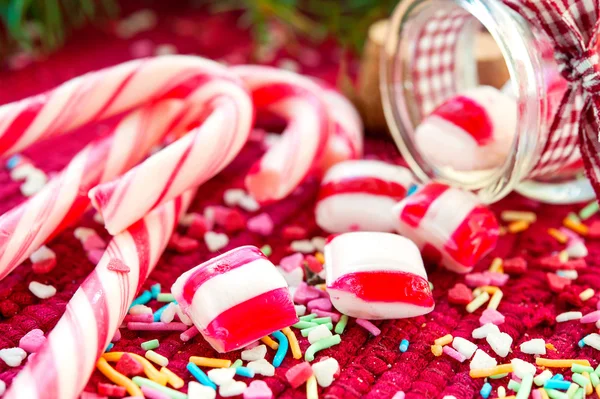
(581, 344)
(403, 346)
(558, 377)
(160, 312)
(557, 384)
(109, 347)
(486, 390)
(282, 350)
(200, 375)
(142, 299)
(13, 161)
(244, 372)
(412, 189)
(155, 290)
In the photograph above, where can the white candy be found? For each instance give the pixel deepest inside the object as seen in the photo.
(542, 377)
(234, 388)
(262, 367)
(319, 243)
(168, 314)
(318, 333)
(499, 342)
(521, 367)
(215, 241)
(199, 391)
(369, 275)
(256, 353)
(325, 370)
(359, 195)
(41, 291)
(303, 246)
(221, 376)
(233, 196)
(535, 346)
(501, 392)
(568, 316)
(13, 356)
(22, 171)
(182, 316)
(248, 203)
(43, 253)
(82, 233)
(300, 310)
(447, 137)
(592, 340)
(577, 250)
(140, 309)
(484, 331)
(34, 183)
(464, 347)
(482, 360)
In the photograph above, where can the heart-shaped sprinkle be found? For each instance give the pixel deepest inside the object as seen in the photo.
(233, 388)
(197, 390)
(258, 389)
(34, 183)
(95, 255)
(117, 265)
(325, 371)
(233, 196)
(516, 265)
(261, 224)
(557, 283)
(256, 353)
(41, 254)
(215, 241)
(460, 294)
(32, 341)
(262, 367)
(22, 171)
(482, 360)
(82, 233)
(93, 241)
(291, 262)
(484, 331)
(41, 291)
(129, 366)
(198, 227)
(13, 356)
(299, 374)
(577, 250)
(321, 304)
(221, 376)
(248, 203)
(318, 333)
(300, 310)
(491, 316)
(292, 278)
(499, 342)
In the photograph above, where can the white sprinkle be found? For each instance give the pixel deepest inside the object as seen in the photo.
(499, 342)
(482, 360)
(22, 171)
(303, 246)
(484, 330)
(254, 354)
(501, 392)
(41, 254)
(13, 356)
(592, 340)
(464, 347)
(2, 387)
(522, 368)
(182, 316)
(449, 397)
(568, 274)
(168, 314)
(577, 250)
(233, 388)
(318, 243)
(300, 310)
(233, 196)
(140, 309)
(221, 376)
(535, 346)
(248, 203)
(325, 370)
(568, 316)
(187, 219)
(318, 333)
(41, 291)
(587, 294)
(83, 233)
(34, 183)
(199, 391)
(262, 367)
(165, 49)
(215, 241)
(542, 377)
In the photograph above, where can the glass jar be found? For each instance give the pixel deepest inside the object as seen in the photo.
(429, 57)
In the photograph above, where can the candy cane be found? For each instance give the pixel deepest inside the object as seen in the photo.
(62, 201)
(101, 94)
(63, 366)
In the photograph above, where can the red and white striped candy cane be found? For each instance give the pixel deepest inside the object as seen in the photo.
(64, 199)
(299, 101)
(185, 163)
(101, 94)
(61, 369)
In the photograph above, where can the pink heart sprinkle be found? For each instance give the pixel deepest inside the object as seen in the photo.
(491, 316)
(32, 341)
(95, 255)
(261, 224)
(291, 262)
(258, 389)
(93, 242)
(321, 304)
(117, 265)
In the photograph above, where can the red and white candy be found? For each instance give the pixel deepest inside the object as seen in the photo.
(235, 298)
(376, 276)
(448, 224)
(473, 130)
(359, 195)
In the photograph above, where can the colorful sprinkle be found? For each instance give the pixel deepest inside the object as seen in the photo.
(557, 384)
(137, 326)
(311, 388)
(558, 235)
(118, 378)
(341, 325)
(486, 390)
(244, 372)
(560, 363)
(514, 385)
(269, 342)
(163, 297)
(200, 375)
(525, 389)
(370, 327)
(266, 250)
(404, 345)
(437, 350)
(587, 294)
(477, 302)
(210, 362)
(294, 345)
(321, 345)
(109, 347)
(568, 316)
(483, 373)
(157, 358)
(576, 226)
(143, 299)
(144, 382)
(282, 350)
(589, 210)
(515, 216)
(518, 226)
(148, 345)
(149, 369)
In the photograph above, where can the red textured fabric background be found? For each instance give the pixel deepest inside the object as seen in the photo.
(371, 367)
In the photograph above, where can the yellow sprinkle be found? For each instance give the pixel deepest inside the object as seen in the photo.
(478, 302)
(598, 390)
(502, 230)
(311, 388)
(496, 265)
(508, 397)
(437, 350)
(515, 216)
(477, 291)
(270, 342)
(563, 256)
(499, 369)
(560, 363)
(495, 301)
(576, 226)
(118, 378)
(558, 235)
(210, 362)
(150, 371)
(550, 347)
(543, 393)
(490, 289)
(157, 358)
(587, 294)
(174, 380)
(322, 287)
(445, 340)
(294, 346)
(320, 257)
(588, 388)
(517, 227)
